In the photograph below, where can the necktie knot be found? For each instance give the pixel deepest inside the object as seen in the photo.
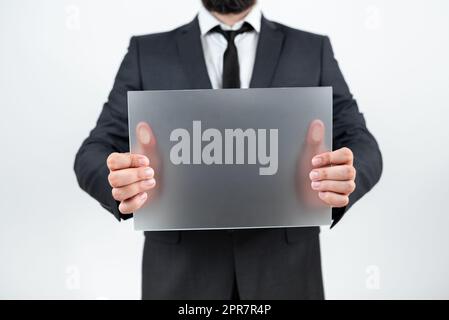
(231, 34)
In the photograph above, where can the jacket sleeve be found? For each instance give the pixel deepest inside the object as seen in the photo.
(349, 130)
(109, 135)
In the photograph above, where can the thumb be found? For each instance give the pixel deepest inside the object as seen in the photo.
(313, 145)
(146, 140)
(315, 137)
(147, 145)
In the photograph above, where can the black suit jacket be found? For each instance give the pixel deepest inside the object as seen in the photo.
(271, 263)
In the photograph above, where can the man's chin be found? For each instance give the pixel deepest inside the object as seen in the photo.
(228, 6)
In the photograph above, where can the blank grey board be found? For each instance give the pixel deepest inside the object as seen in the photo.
(200, 193)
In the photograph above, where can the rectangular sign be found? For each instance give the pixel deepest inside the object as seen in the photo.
(232, 158)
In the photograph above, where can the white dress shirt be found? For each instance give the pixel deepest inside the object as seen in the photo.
(214, 45)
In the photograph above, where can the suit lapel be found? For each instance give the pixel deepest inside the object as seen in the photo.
(191, 55)
(268, 51)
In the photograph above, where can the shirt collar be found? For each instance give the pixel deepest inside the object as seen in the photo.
(207, 21)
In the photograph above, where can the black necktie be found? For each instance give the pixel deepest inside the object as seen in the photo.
(231, 69)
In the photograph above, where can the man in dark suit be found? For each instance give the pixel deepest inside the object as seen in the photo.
(229, 45)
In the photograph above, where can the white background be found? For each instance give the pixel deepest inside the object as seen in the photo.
(57, 64)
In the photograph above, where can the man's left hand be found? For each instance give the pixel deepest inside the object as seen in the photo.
(333, 177)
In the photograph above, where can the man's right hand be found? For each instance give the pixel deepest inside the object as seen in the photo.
(130, 177)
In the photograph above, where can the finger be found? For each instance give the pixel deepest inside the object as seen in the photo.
(117, 161)
(133, 204)
(340, 156)
(124, 177)
(334, 199)
(129, 191)
(341, 173)
(342, 187)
